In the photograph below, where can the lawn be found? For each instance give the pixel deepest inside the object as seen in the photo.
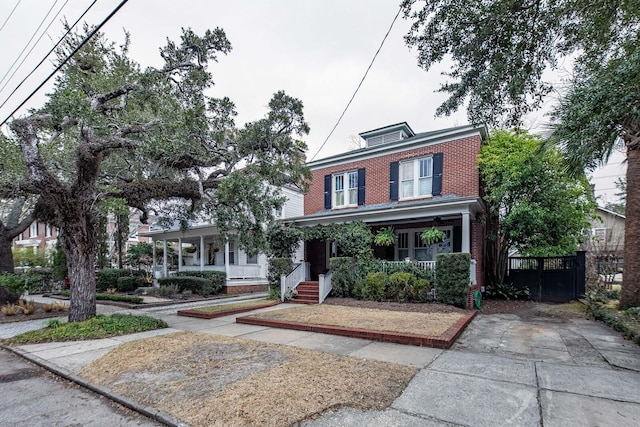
(210, 380)
(424, 324)
(234, 306)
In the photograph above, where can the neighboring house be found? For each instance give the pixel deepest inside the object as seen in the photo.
(38, 236)
(407, 181)
(607, 233)
(136, 228)
(197, 249)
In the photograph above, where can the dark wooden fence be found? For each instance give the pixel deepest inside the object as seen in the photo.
(549, 279)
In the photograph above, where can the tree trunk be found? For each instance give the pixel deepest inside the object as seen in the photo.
(79, 245)
(630, 294)
(6, 256)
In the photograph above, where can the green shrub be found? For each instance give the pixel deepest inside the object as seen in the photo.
(373, 287)
(507, 291)
(121, 298)
(167, 291)
(278, 267)
(197, 285)
(128, 283)
(409, 267)
(421, 291)
(218, 280)
(624, 322)
(12, 283)
(108, 277)
(343, 276)
(400, 284)
(452, 273)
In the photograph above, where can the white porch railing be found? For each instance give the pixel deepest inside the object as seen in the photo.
(293, 279)
(324, 286)
(250, 271)
(431, 266)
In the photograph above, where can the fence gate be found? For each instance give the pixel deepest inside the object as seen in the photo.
(549, 279)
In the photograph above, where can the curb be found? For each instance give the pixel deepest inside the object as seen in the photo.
(149, 412)
(199, 314)
(443, 342)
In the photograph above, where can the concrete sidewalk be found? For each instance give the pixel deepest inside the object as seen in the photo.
(503, 370)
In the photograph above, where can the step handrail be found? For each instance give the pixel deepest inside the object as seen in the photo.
(293, 279)
(324, 286)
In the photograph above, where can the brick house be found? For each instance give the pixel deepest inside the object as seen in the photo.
(405, 180)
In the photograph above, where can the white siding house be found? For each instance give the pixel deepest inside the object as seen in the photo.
(197, 249)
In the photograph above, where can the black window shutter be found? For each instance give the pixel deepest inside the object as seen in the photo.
(360, 186)
(457, 238)
(393, 180)
(327, 191)
(436, 189)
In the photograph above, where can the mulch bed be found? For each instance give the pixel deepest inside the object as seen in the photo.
(38, 314)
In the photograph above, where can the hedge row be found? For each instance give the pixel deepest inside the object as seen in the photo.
(108, 279)
(399, 286)
(217, 279)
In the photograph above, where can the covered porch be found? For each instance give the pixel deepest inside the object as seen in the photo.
(456, 217)
(200, 248)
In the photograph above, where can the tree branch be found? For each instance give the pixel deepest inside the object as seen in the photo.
(98, 102)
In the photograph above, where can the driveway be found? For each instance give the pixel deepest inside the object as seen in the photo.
(522, 369)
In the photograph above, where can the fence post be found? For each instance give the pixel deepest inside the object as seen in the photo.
(540, 273)
(283, 286)
(580, 273)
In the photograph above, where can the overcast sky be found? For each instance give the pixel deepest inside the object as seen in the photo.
(316, 50)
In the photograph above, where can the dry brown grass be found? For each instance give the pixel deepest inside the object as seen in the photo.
(209, 380)
(425, 324)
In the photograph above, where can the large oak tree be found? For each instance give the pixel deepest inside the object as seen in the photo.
(150, 138)
(499, 51)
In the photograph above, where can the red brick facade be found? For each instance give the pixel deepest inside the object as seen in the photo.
(460, 173)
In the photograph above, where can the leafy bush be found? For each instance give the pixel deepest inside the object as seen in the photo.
(120, 298)
(373, 287)
(507, 291)
(624, 322)
(218, 280)
(406, 287)
(197, 285)
(452, 273)
(128, 283)
(14, 286)
(108, 277)
(343, 276)
(409, 267)
(167, 291)
(278, 267)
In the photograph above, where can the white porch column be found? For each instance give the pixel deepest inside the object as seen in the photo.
(201, 253)
(154, 263)
(226, 259)
(164, 258)
(179, 253)
(466, 233)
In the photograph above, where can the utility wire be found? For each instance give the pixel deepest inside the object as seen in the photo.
(53, 73)
(50, 51)
(29, 42)
(359, 84)
(10, 14)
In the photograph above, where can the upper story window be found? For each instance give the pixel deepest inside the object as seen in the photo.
(345, 189)
(48, 231)
(416, 178)
(279, 212)
(33, 229)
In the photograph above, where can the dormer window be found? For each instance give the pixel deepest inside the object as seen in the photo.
(387, 134)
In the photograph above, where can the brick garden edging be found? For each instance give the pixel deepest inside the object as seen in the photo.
(445, 341)
(200, 314)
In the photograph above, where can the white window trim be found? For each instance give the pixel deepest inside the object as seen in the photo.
(345, 189)
(416, 178)
(31, 229)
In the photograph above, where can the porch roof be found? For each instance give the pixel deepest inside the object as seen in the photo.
(188, 235)
(444, 206)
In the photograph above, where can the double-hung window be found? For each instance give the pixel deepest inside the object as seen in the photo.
(416, 178)
(345, 189)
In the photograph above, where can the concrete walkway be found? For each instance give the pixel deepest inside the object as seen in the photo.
(504, 370)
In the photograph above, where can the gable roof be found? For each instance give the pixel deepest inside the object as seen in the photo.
(424, 138)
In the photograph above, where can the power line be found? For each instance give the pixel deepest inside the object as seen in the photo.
(29, 42)
(10, 15)
(66, 59)
(359, 84)
(50, 51)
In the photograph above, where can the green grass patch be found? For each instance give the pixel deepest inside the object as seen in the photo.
(95, 328)
(111, 297)
(234, 306)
